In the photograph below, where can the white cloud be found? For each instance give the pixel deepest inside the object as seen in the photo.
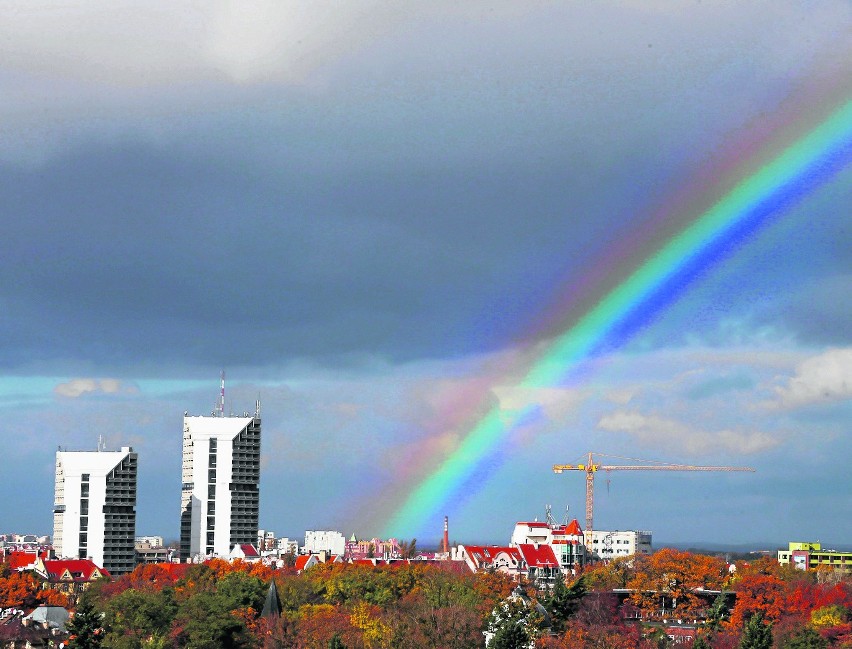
(78, 387)
(660, 432)
(819, 379)
(556, 403)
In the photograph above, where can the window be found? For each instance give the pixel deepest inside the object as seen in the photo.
(211, 491)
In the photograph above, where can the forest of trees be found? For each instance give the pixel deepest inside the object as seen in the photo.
(420, 605)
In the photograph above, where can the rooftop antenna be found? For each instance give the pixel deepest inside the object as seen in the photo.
(101, 443)
(548, 516)
(221, 406)
(257, 406)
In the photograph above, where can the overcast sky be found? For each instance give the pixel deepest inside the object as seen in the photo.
(373, 214)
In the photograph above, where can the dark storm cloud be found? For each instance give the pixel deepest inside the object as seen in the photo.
(117, 254)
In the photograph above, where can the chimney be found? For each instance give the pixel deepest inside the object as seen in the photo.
(446, 534)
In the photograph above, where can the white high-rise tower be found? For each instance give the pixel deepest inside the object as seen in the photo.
(219, 491)
(94, 511)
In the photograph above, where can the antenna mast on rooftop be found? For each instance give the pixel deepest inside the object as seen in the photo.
(221, 406)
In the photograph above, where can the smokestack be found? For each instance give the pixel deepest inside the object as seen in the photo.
(446, 534)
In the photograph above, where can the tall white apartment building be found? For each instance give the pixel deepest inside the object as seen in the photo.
(94, 511)
(220, 480)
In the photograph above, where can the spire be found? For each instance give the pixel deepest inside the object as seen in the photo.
(272, 605)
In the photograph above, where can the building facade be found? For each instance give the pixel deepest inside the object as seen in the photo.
(220, 484)
(329, 541)
(94, 511)
(808, 555)
(609, 545)
(565, 540)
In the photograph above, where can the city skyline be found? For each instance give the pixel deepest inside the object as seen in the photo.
(381, 220)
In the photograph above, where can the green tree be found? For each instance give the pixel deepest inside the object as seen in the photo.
(515, 622)
(807, 638)
(205, 621)
(701, 643)
(563, 601)
(136, 619)
(718, 613)
(336, 642)
(85, 629)
(240, 590)
(756, 633)
(512, 635)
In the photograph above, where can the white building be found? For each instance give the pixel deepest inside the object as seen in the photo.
(607, 545)
(565, 540)
(150, 541)
(94, 511)
(287, 545)
(219, 490)
(327, 541)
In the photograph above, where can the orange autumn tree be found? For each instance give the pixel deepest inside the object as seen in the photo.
(761, 593)
(18, 589)
(674, 575)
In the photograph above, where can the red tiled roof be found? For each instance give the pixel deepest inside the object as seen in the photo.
(486, 554)
(79, 569)
(538, 557)
(249, 550)
(302, 560)
(573, 529)
(21, 559)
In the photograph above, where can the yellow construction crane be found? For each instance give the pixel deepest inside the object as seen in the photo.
(590, 467)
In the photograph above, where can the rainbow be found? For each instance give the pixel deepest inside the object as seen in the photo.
(774, 187)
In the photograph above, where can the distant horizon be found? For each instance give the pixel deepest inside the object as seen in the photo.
(710, 546)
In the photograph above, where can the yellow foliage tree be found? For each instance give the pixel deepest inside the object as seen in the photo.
(377, 634)
(827, 616)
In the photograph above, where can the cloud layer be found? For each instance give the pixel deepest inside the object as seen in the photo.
(377, 213)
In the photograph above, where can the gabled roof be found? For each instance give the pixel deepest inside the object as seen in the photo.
(481, 555)
(249, 550)
(78, 570)
(573, 529)
(306, 561)
(538, 557)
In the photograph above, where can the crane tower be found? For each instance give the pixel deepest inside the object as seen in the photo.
(591, 467)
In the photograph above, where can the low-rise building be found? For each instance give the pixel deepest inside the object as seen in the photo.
(536, 562)
(566, 541)
(245, 552)
(324, 541)
(69, 576)
(610, 545)
(808, 555)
